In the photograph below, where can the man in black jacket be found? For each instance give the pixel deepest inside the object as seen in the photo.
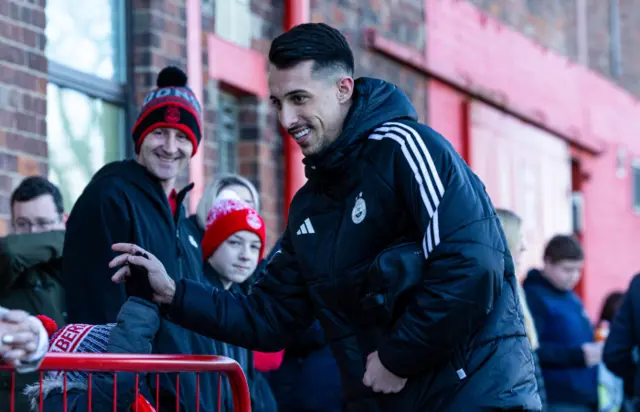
(135, 201)
(446, 333)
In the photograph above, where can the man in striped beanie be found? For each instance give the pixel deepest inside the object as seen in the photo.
(137, 200)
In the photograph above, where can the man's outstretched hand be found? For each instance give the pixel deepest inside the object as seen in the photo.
(379, 378)
(163, 286)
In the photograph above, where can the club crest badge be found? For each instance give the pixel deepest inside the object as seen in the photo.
(253, 220)
(359, 211)
(172, 114)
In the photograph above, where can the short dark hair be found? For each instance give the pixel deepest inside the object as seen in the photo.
(319, 42)
(35, 186)
(563, 247)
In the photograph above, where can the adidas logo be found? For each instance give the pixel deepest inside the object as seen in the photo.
(306, 228)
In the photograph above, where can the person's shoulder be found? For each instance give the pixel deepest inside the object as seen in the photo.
(405, 132)
(107, 183)
(634, 285)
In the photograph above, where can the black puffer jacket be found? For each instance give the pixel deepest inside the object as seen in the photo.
(125, 203)
(446, 316)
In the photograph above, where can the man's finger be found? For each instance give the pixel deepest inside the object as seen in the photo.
(19, 338)
(127, 248)
(140, 261)
(14, 355)
(366, 379)
(121, 274)
(15, 316)
(119, 260)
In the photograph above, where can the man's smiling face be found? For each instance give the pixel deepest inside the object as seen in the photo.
(165, 152)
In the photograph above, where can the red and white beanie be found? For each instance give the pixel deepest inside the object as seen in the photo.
(226, 217)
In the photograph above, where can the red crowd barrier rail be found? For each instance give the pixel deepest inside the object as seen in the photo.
(114, 363)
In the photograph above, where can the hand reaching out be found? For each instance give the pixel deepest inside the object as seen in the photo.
(135, 258)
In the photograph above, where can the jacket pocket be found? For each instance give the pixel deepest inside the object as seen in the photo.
(391, 281)
(447, 380)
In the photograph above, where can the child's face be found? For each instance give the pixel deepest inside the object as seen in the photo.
(564, 274)
(237, 257)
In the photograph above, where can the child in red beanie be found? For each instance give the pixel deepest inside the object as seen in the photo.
(232, 246)
(234, 240)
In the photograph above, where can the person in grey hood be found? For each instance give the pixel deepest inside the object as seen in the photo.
(392, 244)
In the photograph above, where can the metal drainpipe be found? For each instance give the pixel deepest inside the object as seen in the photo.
(295, 12)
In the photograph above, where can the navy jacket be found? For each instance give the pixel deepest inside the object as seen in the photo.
(563, 326)
(385, 180)
(621, 348)
(308, 379)
(123, 202)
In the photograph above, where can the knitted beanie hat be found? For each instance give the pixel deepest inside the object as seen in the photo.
(226, 217)
(80, 338)
(173, 105)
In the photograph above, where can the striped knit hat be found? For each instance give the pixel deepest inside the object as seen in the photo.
(173, 105)
(80, 338)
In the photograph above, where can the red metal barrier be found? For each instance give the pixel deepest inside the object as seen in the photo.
(115, 363)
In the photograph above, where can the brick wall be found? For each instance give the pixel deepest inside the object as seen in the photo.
(400, 20)
(159, 39)
(551, 24)
(554, 24)
(23, 105)
(630, 33)
(259, 151)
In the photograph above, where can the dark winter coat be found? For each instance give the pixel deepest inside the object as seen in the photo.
(308, 379)
(125, 203)
(621, 350)
(262, 399)
(442, 311)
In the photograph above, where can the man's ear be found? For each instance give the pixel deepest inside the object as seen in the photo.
(345, 89)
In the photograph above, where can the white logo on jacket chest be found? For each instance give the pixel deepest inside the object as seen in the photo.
(359, 211)
(193, 242)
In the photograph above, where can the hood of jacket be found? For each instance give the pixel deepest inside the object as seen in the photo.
(375, 102)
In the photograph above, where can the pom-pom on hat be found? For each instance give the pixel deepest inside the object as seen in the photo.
(173, 105)
(226, 217)
(49, 324)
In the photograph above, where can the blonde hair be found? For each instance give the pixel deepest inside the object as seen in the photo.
(213, 189)
(511, 225)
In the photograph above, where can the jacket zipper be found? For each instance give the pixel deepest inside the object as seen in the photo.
(332, 277)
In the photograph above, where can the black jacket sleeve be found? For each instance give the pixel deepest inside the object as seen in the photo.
(264, 320)
(462, 246)
(623, 336)
(99, 219)
(552, 354)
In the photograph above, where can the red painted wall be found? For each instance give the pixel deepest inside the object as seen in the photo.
(447, 114)
(487, 59)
